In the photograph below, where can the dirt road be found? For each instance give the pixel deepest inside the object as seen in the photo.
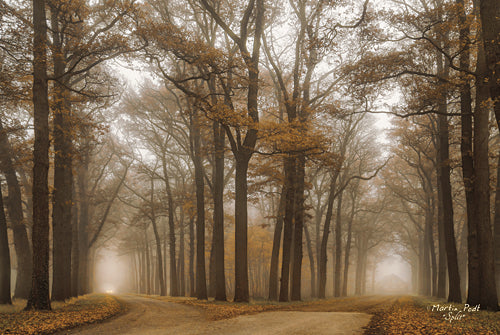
(149, 316)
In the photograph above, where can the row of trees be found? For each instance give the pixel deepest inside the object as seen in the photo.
(69, 86)
(444, 78)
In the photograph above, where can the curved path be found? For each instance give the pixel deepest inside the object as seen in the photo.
(149, 316)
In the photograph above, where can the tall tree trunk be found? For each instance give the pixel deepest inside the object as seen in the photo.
(288, 227)
(91, 270)
(363, 272)
(201, 281)
(488, 294)
(496, 228)
(490, 24)
(318, 215)
(441, 280)
(299, 227)
(468, 163)
(241, 290)
(28, 193)
(338, 248)
(432, 250)
(75, 254)
(159, 258)
(83, 223)
(154, 271)
(446, 201)
(63, 173)
(360, 266)
(40, 291)
(348, 248)
(165, 259)
(15, 210)
(148, 261)
(462, 258)
(490, 12)
(426, 273)
(218, 231)
(211, 268)
(192, 287)
(275, 253)
(5, 297)
(143, 269)
(310, 253)
(174, 285)
(420, 267)
(135, 273)
(243, 149)
(181, 266)
(324, 240)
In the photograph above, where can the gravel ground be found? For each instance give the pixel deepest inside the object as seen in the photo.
(150, 316)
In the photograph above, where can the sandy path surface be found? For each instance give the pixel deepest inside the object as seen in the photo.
(149, 316)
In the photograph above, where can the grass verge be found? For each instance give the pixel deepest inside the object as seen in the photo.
(415, 315)
(75, 312)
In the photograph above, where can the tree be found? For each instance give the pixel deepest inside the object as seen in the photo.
(5, 297)
(14, 207)
(243, 148)
(39, 297)
(490, 26)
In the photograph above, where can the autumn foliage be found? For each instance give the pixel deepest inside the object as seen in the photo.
(76, 312)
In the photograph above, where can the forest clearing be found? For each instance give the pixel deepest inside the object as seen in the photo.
(250, 166)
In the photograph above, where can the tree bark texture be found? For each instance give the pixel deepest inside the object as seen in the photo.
(159, 258)
(201, 281)
(63, 174)
(312, 267)
(490, 24)
(324, 239)
(441, 280)
(192, 286)
(496, 229)
(488, 294)
(74, 245)
(174, 285)
(241, 290)
(83, 223)
(290, 177)
(298, 226)
(40, 297)
(218, 232)
(446, 201)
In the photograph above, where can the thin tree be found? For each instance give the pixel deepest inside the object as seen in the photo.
(5, 297)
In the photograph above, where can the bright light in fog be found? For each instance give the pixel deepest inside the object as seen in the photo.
(111, 272)
(394, 265)
(393, 275)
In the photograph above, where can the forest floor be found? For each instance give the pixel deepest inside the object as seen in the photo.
(72, 313)
(389, 314)
(372, 315)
